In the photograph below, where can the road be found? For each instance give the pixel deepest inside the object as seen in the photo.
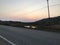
(22, 36)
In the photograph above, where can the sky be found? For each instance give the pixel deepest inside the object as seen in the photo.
(28, 10)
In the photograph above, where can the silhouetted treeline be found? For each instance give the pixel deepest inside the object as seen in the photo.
(10, 23)
(47, 21)
(52, 24)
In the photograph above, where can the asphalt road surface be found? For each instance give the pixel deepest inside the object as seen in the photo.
(22, 36)
(3, 42)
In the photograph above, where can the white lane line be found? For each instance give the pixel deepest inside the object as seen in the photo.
(7, 40)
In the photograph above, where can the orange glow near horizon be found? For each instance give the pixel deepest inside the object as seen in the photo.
(28, 10)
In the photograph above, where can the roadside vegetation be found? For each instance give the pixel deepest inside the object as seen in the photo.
(52, 24)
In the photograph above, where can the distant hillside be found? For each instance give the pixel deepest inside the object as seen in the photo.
(12, 23)
(52, 24)
(47, 21)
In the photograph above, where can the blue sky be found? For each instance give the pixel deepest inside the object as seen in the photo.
(27, 10)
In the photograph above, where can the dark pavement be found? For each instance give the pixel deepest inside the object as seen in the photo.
(3, 42)
(22, 36)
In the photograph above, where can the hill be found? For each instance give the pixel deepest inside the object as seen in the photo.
(52, 24)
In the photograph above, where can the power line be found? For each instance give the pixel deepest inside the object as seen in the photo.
(42, 8)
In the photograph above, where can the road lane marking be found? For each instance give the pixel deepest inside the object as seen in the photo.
(7, 40)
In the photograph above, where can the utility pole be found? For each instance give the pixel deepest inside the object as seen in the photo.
(48, 9)
(48, 12)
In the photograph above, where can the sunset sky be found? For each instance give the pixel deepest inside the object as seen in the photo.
(28, 10)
